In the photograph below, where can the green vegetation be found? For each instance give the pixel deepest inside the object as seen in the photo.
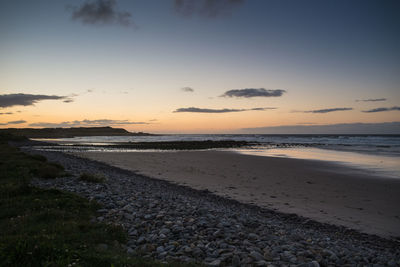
(47, 227)
(92, 177)
(68, 132)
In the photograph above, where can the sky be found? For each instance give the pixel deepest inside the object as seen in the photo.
(199, 66)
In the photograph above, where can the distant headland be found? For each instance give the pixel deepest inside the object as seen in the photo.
(71, 132)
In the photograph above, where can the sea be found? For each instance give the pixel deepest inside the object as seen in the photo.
(377, 154)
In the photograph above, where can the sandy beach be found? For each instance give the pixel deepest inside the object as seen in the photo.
(323, 191)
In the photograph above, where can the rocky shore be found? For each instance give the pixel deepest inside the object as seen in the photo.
(169, 222)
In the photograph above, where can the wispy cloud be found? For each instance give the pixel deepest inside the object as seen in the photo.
(206, 8)
(28, 99)
(13, 122)
(254, 92)
(224, 110)
(187, 89)
(101, 12)
(327, 110)
(382, 109)
(371, 100)
(6, 113)
(86, 123)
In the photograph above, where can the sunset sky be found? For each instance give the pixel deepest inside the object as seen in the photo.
(198, 66)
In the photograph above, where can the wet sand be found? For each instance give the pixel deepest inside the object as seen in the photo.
(322, 191)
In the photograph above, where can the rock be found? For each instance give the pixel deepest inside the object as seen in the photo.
(165, 231)
(216, 262)
(235, 260)
(150, 247)
(261, 263)
(309, 264)
(257, 256)
(197, 252)
(160, 249)
(141, 240)
(129, 250)
(267, 255)
(253, 236)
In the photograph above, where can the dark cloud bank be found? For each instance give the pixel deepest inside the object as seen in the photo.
(382, 109)
(85, 123)
(327, 110)
(101, 12)
(13, 122)
(344, 128)
(28, 99)
(224, 110)
(206, 8)
(187, 89)
(371, 100)
(254, 92)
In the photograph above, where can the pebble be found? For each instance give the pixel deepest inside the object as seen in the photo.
(170, 223)
(216, 262)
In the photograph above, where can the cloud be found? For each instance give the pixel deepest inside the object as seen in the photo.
(254, 92)
(342, 128)
(325, 110)
(101, 12)
(85, 123)
(13, 122)
(225, 110)
(27, 99)
(6, 113)
(206, 8)
(187, 89)
(381, 109)
(371, 100)
(306, 123)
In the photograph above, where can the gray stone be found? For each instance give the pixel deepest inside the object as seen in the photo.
(256, 255)
(253, 236)
(165, 231)
(235, 260)
(141, 240)
(309, 264)
(261, 263)
(216, 262)
(129, 250)
(160, 249)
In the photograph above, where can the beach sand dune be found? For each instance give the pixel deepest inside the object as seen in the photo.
(323, 191)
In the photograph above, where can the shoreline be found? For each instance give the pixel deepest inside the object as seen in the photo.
(170, 222)
(322, 191)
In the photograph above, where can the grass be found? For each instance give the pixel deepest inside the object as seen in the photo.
(92, 178)
(47, 227)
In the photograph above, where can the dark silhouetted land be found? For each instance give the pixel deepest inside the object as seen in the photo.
(70, 132)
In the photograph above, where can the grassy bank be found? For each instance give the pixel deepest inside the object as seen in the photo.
(41, 227)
